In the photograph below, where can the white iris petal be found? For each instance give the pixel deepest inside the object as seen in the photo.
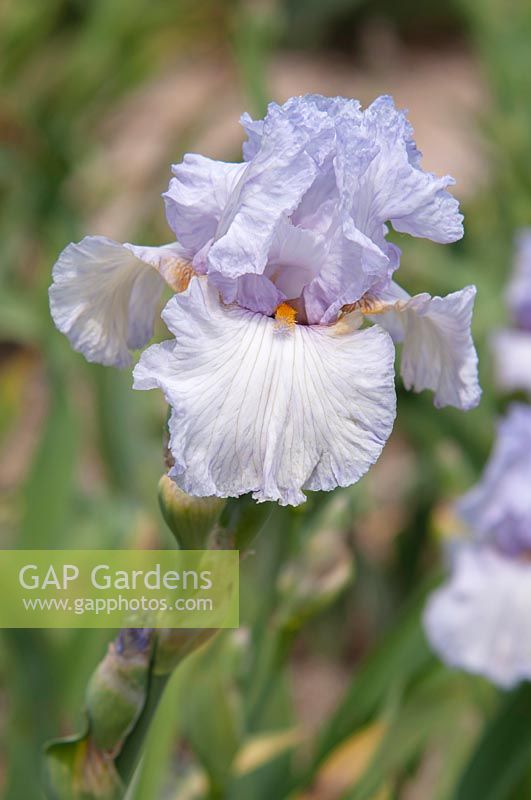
(512, 359)
(268, 411)
(438, 352)
(479, 620)
(105, 295)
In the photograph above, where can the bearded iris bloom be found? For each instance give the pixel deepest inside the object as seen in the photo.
(280, 375)
(512, 347)
(479, 620)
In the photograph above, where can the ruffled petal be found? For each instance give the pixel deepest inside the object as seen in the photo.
(479, 621)
(254, 292)
(271, 186)
(268, 409)
(198, 196)
(498, 508)
(313, 115)
(512, 360)
(395, 188)
(294, 257)
(438, 352)
(105, 295)
(351, 264)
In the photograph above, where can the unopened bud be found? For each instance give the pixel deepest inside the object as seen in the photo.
(117, 690)
(190, 519)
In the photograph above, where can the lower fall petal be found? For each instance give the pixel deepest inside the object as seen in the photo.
(105, 295)
(265, 408)
(479, 620)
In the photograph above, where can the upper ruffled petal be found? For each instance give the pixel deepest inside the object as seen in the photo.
(105, 295)
(271, 186)
(438, 352)
(395, 188)
(342, 173)
(198, 196)
(498, 508)
(313, 115)
(351, 264)
(479, 620)
(294, 257)
(267, 409)
(254, 292)
(512, 359)
(519, 288)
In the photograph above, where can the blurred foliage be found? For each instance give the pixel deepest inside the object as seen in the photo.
(81, 453)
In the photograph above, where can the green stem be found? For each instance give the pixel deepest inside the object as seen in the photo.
(244, 532)
(128, 760)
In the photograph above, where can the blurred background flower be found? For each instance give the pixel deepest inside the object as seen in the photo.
(332, 697)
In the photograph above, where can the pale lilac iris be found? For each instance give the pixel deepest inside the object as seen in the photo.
(480, 619)
(275, 386)
(512, 346)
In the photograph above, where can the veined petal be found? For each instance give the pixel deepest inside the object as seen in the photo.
(512, 359)
(271, 186)
(438, 352)
(479, 621)
(395, 188)
(313, 115)
(198, 196)
(254, 292)
(294, 259)
(268, 409)
(294, 256)
(351, 264)
(104, 295)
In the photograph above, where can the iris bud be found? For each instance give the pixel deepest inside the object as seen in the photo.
(190, 519)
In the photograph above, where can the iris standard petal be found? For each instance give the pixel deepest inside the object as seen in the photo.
(437, 352)
(267, 409)
(498, 508)
(272, 186)
(351, 264)
(512, 359)
(294, 257)
(395, 188)
(197, 197)
(479, 621)
(104, 295)
(254, 292)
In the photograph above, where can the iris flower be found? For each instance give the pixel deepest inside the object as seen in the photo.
(280, 372)
(479, 620)
(512, 347)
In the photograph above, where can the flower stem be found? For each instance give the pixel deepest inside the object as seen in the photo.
(128, 760)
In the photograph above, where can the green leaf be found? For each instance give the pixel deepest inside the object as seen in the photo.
(211, 710)
(159, 748)
(401, 657)
(503, 753)
(50, 483)
(434, 706)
